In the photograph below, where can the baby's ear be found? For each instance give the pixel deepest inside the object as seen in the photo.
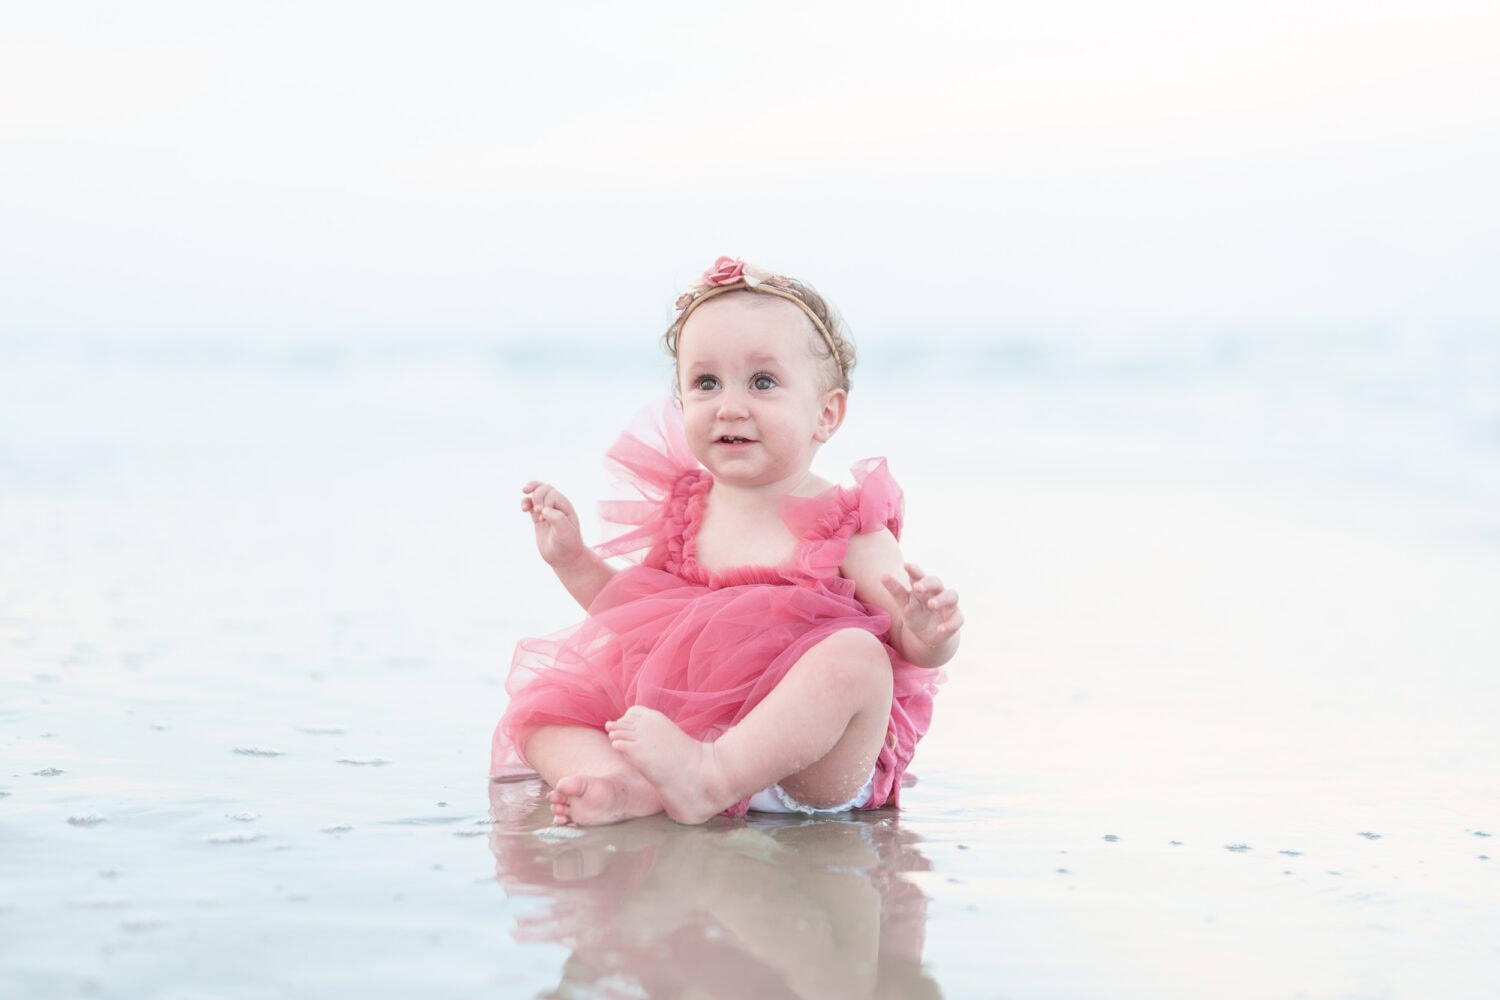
(835, 402)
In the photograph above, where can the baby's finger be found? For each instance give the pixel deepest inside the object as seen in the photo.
(544, 496)
(536, 489)
(555, 499)
(535, 505)
(557, 515)
(543, 512)
(932, 591)
(945, 601)
(914, 571)
(928, 588)
(895, 588)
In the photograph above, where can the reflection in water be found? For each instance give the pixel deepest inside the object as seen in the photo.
(772, 906)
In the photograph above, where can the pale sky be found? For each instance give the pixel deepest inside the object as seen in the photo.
(497, 169)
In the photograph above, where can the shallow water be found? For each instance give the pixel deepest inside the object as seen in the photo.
(1222, 724)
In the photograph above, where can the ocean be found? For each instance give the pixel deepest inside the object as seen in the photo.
(1222, 724)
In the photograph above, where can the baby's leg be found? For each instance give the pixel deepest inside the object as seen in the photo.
(818, 733)
(592, 783)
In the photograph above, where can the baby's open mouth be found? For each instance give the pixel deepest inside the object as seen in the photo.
(731, 439)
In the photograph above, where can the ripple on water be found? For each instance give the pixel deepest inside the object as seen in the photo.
(234, 837)
(135, 925)
(244, 817)
(86, 819)
(1238, 848)
(336, 829)
(555, 833)
(259, 752)
(321, 730)
(49, 772)
(364, 761)
(1369, 836)
(423, 820)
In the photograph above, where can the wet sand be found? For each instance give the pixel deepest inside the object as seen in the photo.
(1203, 738)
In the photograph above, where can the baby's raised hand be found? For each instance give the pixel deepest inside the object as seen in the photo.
(929, 611)
(558, 537)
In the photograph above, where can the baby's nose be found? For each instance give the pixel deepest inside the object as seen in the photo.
(732, 404)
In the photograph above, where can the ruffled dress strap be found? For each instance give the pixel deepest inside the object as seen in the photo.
(647, 464)
(826, 522)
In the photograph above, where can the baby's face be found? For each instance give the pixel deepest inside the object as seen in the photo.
(756, 400)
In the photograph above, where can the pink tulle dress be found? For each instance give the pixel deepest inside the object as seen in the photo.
(700, 646)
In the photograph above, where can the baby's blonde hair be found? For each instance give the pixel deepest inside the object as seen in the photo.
(730, 275)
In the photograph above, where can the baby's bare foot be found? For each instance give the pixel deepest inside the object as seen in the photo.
(594, 800)
(685, 772)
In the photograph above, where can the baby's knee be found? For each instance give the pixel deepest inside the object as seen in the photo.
(857, 657)
(854, 642)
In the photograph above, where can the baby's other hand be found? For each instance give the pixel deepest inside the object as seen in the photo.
(558, 537)
(929, 610)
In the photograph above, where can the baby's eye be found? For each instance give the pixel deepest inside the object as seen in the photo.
(705, 382)
(763, 381)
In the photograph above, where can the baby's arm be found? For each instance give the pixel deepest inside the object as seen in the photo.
(924, 616)
(560, 543)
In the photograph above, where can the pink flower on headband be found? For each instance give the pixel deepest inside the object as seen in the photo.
(726, 271)
(729, 271)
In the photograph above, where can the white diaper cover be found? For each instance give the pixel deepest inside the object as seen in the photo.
(776, 800)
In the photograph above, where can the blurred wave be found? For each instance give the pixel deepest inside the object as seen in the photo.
(1414, 414)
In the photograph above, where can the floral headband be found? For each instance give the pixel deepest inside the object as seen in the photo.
(730, 274)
